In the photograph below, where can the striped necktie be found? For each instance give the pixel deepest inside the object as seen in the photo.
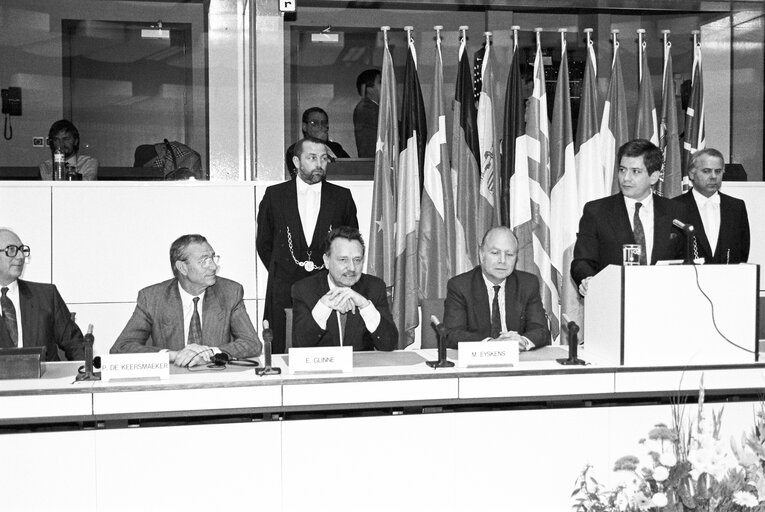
(9, 315)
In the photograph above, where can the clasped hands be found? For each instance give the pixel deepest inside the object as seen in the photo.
(191, 355)
(343, 300)
(511, 336)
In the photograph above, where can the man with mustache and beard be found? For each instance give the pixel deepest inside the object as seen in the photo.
(494, 301)
(341, 306)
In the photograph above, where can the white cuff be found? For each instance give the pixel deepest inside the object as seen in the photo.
(320, 314)
(371, 316)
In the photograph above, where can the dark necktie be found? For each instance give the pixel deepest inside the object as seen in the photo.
(343, 319)
(637, 231)
(9, 315)
(195, 327)
(496, 321)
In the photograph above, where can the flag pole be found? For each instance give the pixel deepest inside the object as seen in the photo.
(587, 33)
(667, 45)
(538, 31)
(515, 29)
(438, 29)
(641, 46)
(463, 34)
(385, 30)
(615, 36)
(562, 40)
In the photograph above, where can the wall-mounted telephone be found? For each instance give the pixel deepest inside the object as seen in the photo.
(12, 101)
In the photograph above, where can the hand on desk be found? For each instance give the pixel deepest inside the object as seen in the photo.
(523, 342)
(344, 300)
(583, 286)
(191, 355)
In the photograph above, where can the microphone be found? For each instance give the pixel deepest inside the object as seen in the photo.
(87, 370)
(441, 331)
(573, 346)
(688, 228)
(268, 339)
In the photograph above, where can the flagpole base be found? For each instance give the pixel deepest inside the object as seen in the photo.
(440, 364)
(571, 362)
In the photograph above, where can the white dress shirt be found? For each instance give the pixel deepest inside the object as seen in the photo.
(187, 301)
(646, 218)
(309, 203)
(709, 208)
(502, 312)
(13, 294)
(321, 314)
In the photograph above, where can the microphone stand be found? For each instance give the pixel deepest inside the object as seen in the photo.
(689, 234)
(87, 343)
(441, 336)
(573, 346)
(268, 338)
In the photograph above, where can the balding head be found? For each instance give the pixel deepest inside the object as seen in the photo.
(10, 267)
(498, 254)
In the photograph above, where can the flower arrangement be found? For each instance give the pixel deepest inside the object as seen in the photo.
(684, 468)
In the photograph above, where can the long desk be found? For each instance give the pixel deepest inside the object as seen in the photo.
(392, 435)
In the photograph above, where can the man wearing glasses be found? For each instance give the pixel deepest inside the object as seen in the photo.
(316, 126)
(193, 316)
(34, 314)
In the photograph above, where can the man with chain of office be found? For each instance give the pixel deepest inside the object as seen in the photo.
(294, 218)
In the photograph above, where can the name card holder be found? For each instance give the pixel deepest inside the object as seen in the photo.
(21, 363)
(149, 365)
(321, 359)
(487, 353)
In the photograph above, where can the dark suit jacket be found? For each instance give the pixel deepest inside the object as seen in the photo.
(467, 312)
(157, 322)
(733, 239)
(605, 227)
(307, 333)
(278, 211)
(45, 322)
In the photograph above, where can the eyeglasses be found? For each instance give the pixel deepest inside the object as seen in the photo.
(12, 250)
(315, 122)
(207, 260)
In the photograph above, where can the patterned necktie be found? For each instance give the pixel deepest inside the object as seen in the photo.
(637, 231)
(195, 327)
(9, 315)
(496, 321)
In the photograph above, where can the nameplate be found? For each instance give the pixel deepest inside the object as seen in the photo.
(487, 353)
(149, 365)
(321, 359)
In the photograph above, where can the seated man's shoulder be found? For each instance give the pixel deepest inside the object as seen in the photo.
(526, 278)
(370, 280)
(463, 279)
(227, 286)
(37, 288)
(311, 282)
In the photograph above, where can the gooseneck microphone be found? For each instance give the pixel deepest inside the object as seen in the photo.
(86, 372)
(268, 339)
(690, 233)
(573, 346)
(441, 332)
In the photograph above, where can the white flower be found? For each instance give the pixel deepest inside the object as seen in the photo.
(660, 473)
(668, 459)
(659, 499)
(744, 499)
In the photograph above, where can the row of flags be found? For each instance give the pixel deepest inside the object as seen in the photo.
(433, 200)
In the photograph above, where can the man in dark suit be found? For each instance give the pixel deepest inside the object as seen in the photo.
(193, 316)
(721, 224)
(495, 301)
(34, 314)
(634, 216)
(340, 306)
(293, 220)
(315, 126)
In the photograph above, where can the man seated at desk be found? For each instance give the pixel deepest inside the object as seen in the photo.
(495, 301)
(65, 136)
(316, 126)
(341, 306)
(194, 315)
(34, 314)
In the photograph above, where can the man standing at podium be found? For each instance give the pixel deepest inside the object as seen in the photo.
(495, 301)
(721, 225)
(634, 216)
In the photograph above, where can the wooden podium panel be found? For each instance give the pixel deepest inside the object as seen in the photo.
(673, 315)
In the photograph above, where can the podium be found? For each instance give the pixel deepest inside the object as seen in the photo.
(660, 316)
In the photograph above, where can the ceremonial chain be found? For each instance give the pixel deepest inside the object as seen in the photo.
(309, 265)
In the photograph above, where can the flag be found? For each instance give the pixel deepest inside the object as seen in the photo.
(670, 184)
(436, 243)
(488, 200)
(516, 202)
(695, 137)
(465, 173)
(590, 183)
(614, 129)
(646, 125)
(564, 203)
(381, 232)
(538, 148)
(406, 284)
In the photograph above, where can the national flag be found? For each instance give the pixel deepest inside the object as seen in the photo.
(695, 137)
(406, 284)
(614, 129)
(488, 212)
(564, 204)
(670, 184)
(465, 172)
(537, 140)
(590, 182)
(646, 125)
(382, 238)
(436, 243)
(516, 201)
